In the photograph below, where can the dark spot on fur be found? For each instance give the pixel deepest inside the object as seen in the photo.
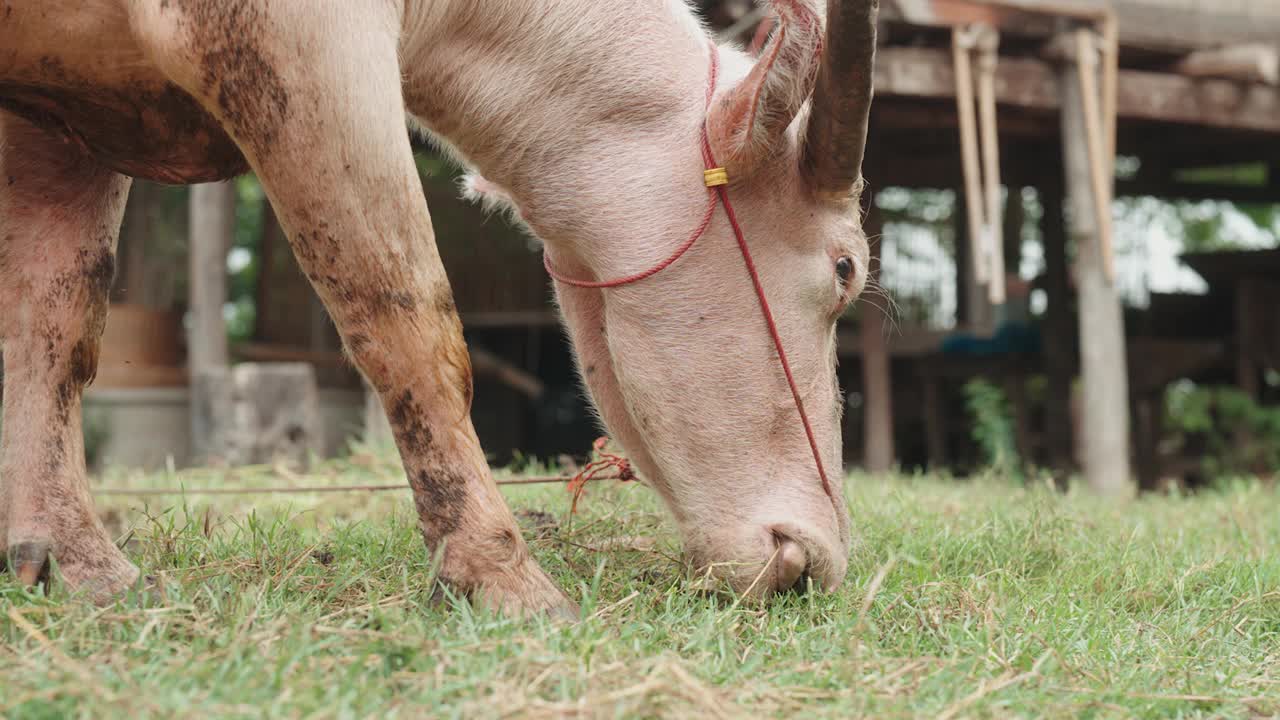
(406, 416)
(440, 497)
(99, 267)
(236, 71)
(590, 369)
(84, 362)
(402, 299)
(505, 538)
(357, 342)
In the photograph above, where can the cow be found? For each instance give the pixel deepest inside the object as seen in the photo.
(585, 119)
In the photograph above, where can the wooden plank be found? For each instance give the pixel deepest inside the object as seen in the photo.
(1168, 26)
(1142, 96)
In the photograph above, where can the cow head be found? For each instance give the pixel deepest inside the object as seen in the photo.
(681, 366)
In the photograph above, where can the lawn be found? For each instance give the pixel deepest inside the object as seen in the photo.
(976, 598)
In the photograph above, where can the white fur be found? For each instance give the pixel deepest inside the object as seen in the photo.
(584, 117)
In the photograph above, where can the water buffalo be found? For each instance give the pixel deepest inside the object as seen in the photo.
(586, 118)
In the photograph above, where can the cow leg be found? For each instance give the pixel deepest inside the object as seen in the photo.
(59, 216)
(311, 94)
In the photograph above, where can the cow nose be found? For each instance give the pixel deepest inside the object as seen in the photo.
(789, 564)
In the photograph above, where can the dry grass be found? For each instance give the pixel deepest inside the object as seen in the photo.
(963, 600)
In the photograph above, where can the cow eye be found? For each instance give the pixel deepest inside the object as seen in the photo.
(844, 269)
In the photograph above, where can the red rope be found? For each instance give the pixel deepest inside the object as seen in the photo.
(719, 193)
(604, 460)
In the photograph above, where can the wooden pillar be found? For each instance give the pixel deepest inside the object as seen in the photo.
(1057, 345)
(211, 230)
(1247, 310)
(1103, 372)
(212, 227)
(136, 233)
(877, 387)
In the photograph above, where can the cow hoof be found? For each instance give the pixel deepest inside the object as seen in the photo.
(534, 594)
(29, 561)
(101, 579)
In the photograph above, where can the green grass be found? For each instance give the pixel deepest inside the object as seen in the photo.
(963, 600)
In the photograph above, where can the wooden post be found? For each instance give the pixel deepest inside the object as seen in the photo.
(212, 228)
(973, 306)
(877, 387)
(1248, 378)
(1103, 372)
(136, 231)
(1059, 350)
(935, 420)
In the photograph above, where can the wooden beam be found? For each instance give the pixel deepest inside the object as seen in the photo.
(1171, 190)
(1142, 96)
(1244, 63)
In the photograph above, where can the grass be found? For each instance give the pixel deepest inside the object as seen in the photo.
(964, 599)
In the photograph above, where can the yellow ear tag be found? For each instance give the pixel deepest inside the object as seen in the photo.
(715, 176)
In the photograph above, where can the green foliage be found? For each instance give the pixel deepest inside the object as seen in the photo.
(962, 600)
(244, 259)
(1238, 435)
(1248, 175)
(992, 426)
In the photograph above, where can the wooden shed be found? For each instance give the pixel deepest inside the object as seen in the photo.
(1043, 94)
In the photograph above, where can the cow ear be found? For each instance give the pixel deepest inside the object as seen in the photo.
(747, 122)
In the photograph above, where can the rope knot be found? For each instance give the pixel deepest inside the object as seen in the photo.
(602, 460)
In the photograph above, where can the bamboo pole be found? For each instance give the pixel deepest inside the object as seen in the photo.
(1086, 73)
(961, 44)
(988, 46)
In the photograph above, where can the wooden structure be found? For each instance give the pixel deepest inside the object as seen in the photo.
(1191, 83)
(997, 82)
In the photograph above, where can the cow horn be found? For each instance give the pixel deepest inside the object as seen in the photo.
(836, 137)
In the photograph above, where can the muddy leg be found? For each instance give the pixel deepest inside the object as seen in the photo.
(311, 93)
(59, 216)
